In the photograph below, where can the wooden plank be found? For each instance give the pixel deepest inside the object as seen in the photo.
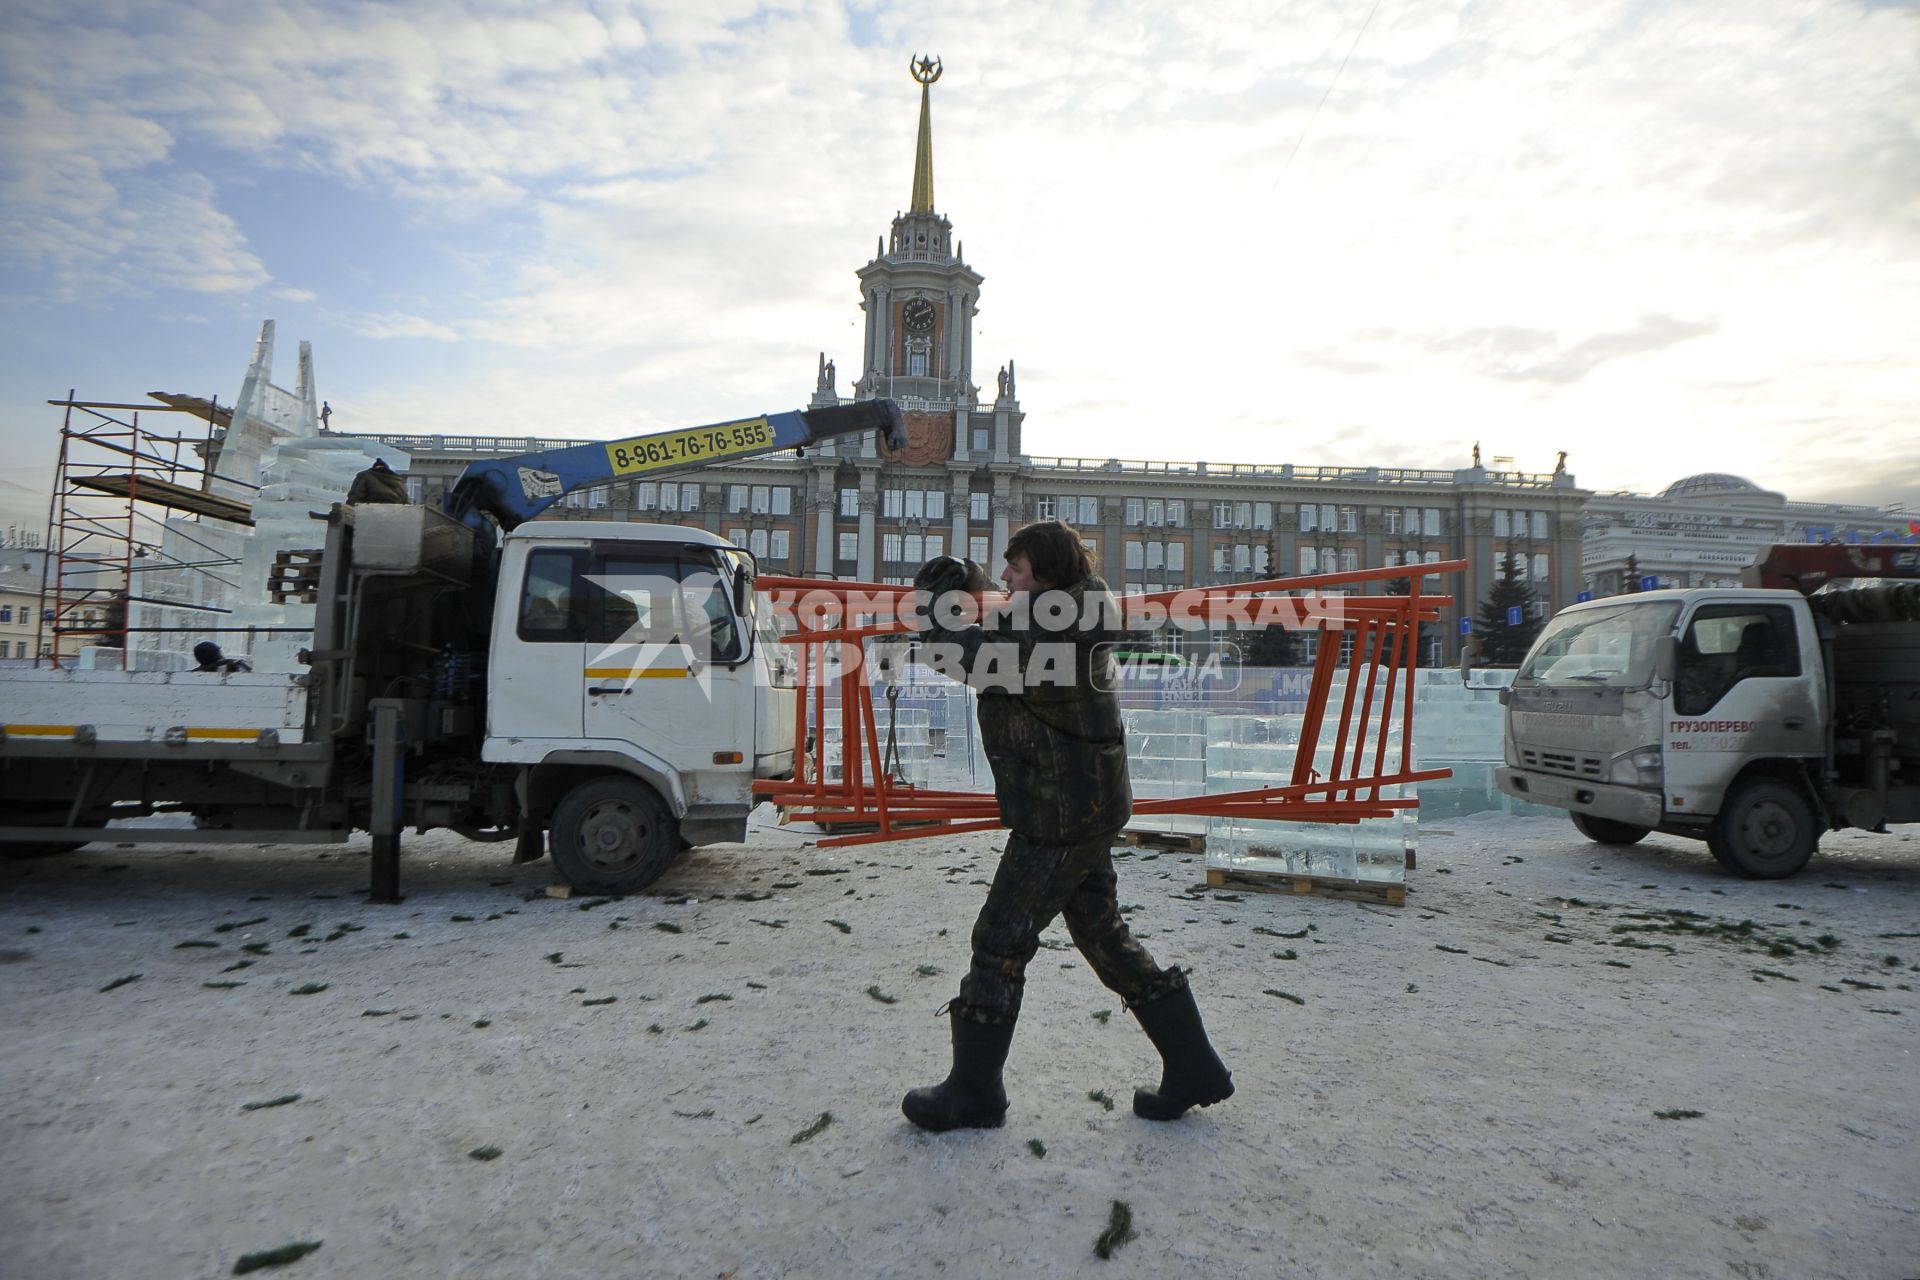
(1393, 895)
(1180, 841)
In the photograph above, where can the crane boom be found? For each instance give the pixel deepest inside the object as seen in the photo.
(510, 491)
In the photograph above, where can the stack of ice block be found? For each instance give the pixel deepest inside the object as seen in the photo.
(1166, 756)
(909, 732)
(1462, 727)
(1247, 752)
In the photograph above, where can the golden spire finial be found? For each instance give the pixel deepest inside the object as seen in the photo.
(926, 71)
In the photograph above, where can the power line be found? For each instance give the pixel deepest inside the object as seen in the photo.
(1324, 96)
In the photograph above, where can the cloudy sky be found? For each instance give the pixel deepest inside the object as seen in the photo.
(1665, 237)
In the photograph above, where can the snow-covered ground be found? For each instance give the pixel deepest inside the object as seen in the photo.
(1469, 1086)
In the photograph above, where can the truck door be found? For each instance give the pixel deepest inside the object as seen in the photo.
(535, 665)
(1742, 689)
(663, 668)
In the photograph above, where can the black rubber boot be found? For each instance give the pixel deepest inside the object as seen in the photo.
(972, 1096)
(1193, 1076)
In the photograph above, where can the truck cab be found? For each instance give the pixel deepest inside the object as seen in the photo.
(1702, 713)
(637, 680)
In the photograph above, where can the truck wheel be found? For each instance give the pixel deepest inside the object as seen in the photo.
(613, 835)
(1607, 831)
(1766, 830)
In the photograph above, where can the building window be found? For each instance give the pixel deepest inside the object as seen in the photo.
(1392, 559)
(1540, 525)
(646, 495)
(1089, 512)
(978, 506)
(1177, 557)
(1135, 511)
(1176, 512)
(890, 547)
(1349, 519)
(762, 499)
(738, 537)
(1156, 512)
(849, 546)
(1433, 529)
(977, 550)
(1134, 558)
(1349, 559)
(893, 502)
(1499, 524)
(736, 498)
(1309, 560)
(1045, 509)
(1390, 520)
(936, 545)
(1540, 567)
(6, 613)
(981, 440)
(1223, 515)
(1242, 557)
(910, 549)
(1263, 515)
(850, 504)
(757, 543)
(1308, 512)
(1156, 555)
(1259, 557)
(777, 547)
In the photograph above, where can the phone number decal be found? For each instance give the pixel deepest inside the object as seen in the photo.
(702, 444)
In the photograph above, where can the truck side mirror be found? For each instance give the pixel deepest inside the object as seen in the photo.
(1666, 657)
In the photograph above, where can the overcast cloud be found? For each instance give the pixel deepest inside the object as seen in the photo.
(1666, 239)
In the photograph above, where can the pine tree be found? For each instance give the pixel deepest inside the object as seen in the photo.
(1271, 646)
(1630, 576)
(1500, 642)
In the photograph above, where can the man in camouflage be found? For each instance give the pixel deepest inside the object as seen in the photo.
(1054, 739)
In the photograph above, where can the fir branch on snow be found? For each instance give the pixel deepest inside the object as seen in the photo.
(1119, 1230)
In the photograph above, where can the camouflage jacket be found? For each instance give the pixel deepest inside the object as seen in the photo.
(1049, 721)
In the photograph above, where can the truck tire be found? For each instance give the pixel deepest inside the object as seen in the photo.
(613, 835)
(1765, 831)
(1607, 831)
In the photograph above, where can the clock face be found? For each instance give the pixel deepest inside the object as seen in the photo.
(918, 315)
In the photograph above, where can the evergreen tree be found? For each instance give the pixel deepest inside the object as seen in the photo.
(1630, 576)
(1270, 646)
(1500, 642)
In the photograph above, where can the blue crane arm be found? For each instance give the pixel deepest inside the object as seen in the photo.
(511, 491)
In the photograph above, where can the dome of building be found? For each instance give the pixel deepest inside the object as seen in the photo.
(1710, 482)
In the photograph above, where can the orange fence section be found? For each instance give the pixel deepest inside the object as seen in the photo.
(1377, 696)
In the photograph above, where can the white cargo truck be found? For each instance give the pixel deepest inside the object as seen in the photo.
(1755, 718)
(604, 691)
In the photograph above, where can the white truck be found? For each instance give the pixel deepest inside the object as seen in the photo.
(1755, 717)
(604, 691)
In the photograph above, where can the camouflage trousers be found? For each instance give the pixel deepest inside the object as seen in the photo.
(1035, 883)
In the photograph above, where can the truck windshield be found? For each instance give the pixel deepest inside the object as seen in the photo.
(1607, 648)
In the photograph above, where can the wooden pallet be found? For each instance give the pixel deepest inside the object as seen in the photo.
(295, 576)
(1177, 841)
(1392, 895)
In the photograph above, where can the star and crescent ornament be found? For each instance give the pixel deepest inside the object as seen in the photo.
(925, 70)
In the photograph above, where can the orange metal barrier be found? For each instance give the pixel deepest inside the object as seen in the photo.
(828, 613)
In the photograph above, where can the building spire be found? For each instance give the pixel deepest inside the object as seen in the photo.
(926, 71)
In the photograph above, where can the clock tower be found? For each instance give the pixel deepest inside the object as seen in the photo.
(919, 296)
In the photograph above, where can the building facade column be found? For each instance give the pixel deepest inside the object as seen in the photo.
(869, 539)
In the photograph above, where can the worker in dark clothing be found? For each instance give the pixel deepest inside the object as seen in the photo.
(207, 654)
(379, 483)
(1054, 739)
